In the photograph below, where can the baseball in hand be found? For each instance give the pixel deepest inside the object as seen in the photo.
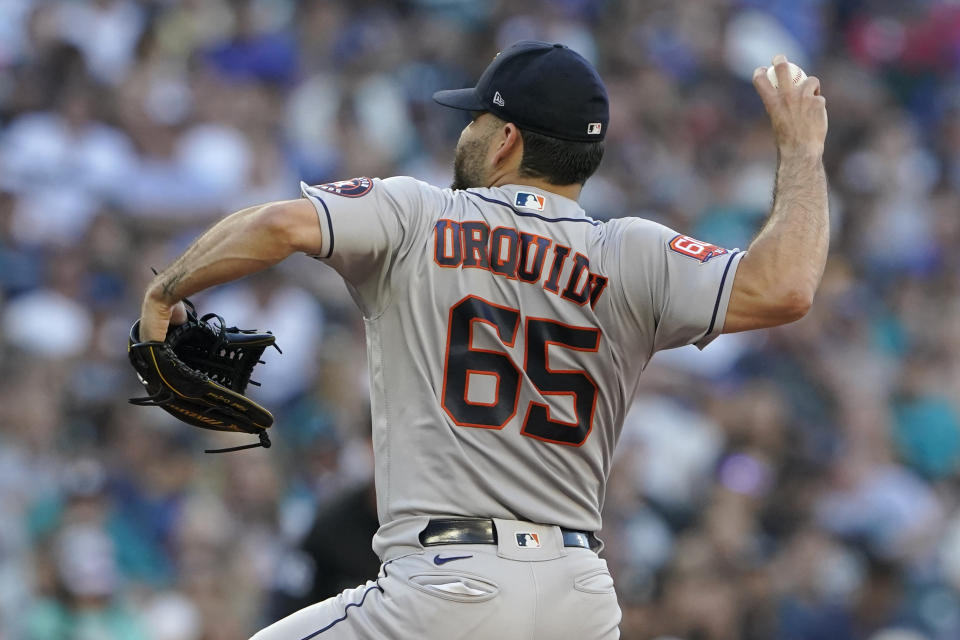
(796, 74)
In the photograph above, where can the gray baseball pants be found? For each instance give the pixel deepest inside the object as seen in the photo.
(449, 592)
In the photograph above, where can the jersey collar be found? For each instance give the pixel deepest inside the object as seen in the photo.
(526, 200)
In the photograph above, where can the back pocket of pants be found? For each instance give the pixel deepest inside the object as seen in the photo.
(458, 587)
(596, 581)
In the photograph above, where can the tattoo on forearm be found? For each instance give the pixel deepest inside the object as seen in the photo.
(170, 284)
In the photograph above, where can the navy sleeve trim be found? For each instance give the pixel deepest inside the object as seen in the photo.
(723, 282)
(329, 226)
(532, 215)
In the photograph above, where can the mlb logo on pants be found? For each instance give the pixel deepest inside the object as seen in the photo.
(528, 540)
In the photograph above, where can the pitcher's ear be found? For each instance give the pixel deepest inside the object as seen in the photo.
(511, 142)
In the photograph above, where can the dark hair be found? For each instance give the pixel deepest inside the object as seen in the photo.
(559, 161)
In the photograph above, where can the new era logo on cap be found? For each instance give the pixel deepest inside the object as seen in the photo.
(497, 99)
(530, 201)
(528, 540)
(594, 128)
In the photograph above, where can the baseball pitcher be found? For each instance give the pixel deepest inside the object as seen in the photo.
(506, 333)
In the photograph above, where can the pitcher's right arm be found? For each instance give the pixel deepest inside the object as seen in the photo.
(780, 273)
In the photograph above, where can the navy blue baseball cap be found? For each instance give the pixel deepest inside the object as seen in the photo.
(541, 87)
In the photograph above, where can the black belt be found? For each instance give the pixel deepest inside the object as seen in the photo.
(482, 531)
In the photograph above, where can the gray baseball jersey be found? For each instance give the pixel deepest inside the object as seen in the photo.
(506, 334)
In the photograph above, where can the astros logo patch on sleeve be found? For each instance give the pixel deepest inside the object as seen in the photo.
(696, 249)
(348, 188)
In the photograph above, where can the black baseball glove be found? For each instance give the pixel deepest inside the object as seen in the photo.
(200, 372)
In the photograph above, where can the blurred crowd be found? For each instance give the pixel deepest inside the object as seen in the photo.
(795, 484)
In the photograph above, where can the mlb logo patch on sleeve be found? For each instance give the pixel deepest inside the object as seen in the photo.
(530, 201)
(696, 249)
(528, 540)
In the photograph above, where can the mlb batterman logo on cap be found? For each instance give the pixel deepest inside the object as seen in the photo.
(541, 87)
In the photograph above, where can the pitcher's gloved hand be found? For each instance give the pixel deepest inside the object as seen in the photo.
(199, 374)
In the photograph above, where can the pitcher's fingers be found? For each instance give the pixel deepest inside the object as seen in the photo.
(810, 86)
(178, 314)
(782, 69)
(763, 85)
(152, 329)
